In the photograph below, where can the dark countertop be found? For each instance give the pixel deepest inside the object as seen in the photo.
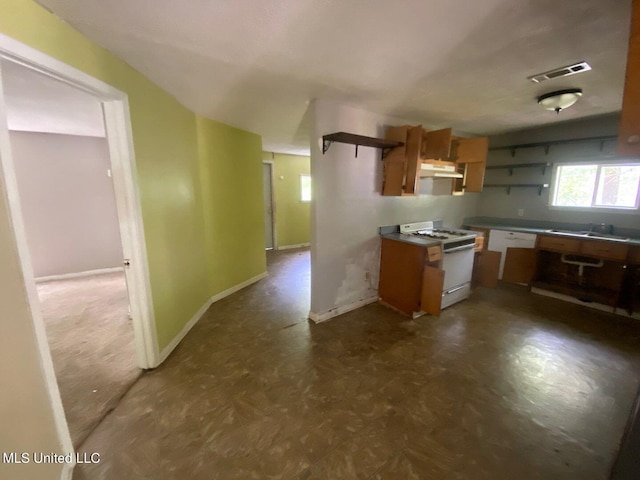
(539, 229)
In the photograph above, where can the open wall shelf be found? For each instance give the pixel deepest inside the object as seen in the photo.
(509, 186)
(359, 140)
(547, 145)
(512, 166)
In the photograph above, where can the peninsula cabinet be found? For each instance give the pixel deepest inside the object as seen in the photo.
(411, 277)
(629, 130)
(402, 166)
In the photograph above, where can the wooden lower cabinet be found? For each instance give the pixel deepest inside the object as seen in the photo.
(586, 269)
(409, 281)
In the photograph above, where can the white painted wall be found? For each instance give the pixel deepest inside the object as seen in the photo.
(494, 202)
(38, 103)
(347, 208)
(67, 202)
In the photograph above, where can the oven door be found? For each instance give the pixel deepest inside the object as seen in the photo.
(457, 264)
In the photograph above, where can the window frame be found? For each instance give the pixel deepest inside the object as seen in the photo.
(310, 189)
(555, 180)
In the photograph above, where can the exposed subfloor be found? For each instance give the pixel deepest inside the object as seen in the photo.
(91, 341)
(504, 385)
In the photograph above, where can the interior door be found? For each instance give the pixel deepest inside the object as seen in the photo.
(267, 191)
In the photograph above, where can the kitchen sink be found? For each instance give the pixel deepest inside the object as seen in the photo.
(586, 234)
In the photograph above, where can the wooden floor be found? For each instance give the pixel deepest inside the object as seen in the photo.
(506, 385)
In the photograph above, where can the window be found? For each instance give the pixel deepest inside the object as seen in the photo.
(305, 188)
(597, 185)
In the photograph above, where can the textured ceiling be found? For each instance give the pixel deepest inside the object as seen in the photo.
(256, 64)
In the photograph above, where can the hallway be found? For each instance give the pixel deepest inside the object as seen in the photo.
(504, 385)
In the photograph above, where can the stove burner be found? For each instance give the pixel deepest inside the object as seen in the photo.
(424, 233)
(450, 232)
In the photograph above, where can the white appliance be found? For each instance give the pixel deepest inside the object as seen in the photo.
(458, 255)
(501, 240)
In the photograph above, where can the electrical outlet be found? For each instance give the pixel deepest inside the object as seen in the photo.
(521, 212)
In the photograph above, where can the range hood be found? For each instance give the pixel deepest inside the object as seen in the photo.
(439, 171)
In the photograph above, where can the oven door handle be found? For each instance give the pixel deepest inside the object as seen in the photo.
(459, 249)
(453, 290)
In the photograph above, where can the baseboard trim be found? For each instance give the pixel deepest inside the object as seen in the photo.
(166, 351)
(334, 312)
(87, 273)
(297, 245)
(594, 305)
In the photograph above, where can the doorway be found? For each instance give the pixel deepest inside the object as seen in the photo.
(113, 109)
(269, 217)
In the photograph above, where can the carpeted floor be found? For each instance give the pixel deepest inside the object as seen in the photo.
(91, 341)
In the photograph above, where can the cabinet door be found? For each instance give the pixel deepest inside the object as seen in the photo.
(394, 162)
(519, 265)
(436, 145)
(471, 150)
(432, 285)
(474, 177)
(412, 177)
(486, 268)
(629, 130)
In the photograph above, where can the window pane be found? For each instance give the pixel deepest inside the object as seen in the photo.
(618, 186)
(305, 188)
(575, 185)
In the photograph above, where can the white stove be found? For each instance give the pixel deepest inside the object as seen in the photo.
(450, 238)
(458, 248)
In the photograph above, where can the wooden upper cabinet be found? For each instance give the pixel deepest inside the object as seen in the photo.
(402, 166)
(470, 150)
(436, 144)
(412, 177)
(394, 162)
(629, 130)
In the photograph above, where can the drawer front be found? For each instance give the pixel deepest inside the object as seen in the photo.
(634, 255)
(434, 253)
(559, 244)
(609, 250)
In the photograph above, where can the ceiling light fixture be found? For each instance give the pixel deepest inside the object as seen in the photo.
(560, 99)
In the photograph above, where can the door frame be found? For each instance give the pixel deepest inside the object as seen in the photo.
(274, 235)
(124, 176)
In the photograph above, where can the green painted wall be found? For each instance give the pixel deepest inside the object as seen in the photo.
(231, 179)
(292, 215)
(177, 203)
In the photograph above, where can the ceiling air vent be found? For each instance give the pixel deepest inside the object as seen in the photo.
(560, 72)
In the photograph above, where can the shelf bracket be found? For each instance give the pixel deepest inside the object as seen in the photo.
(511, 172)
(540, 187)
(513, 152)
(386, 151)
(325, 145)
(508, 190)
(544, 169)
(546, 149)
(356, 150)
